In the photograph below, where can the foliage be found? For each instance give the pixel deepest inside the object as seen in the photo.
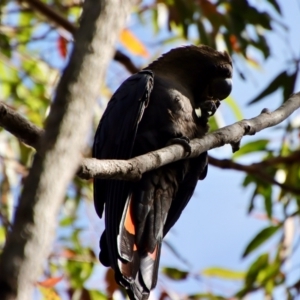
(34, 49)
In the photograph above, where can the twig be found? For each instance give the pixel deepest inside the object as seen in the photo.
(254, 170)
(290, 159)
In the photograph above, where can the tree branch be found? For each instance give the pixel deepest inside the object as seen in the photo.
(254, 169)
(132, 169)
(59, 146)
(289, 159)
(20, 127)
(61, 21)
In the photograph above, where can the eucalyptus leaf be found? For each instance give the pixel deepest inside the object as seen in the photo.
(260, 238)
(174, 273)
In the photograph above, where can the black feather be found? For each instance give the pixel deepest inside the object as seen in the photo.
(150, 109)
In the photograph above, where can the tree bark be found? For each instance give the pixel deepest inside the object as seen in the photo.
(60, 146)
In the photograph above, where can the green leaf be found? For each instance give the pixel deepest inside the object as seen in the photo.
(267, 194)
(26, 154)
(174, 273)
(260, 238)
(4, 45)
(67, 221)
(255, 17)
(269, 287)
(269, 272)
(8, 74)
(213, 124)
(223, 273)
(155, 20)
(228, 43)
(271, 87)
(25, 21)
(250, 281)
(2, 235)
(255, 146)
(25, 18)
(261, 188)
(36, 69)
(74, 13)
(289, 85)
(206, 296)
(293, 175)
(79, 272)
(275, 5)
(251, 202)
(249, 179)
(233, 105)
(262, 45)
(260, 263)
(5, 90)
(96, 295)
(203, 37)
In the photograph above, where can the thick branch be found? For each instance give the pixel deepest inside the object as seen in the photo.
(133, 168)
(59, 147)
(61, 21)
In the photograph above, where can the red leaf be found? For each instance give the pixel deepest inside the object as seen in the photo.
(234, 43)
(68, 253)
(50, 282)
(62, 45)
(164, 295)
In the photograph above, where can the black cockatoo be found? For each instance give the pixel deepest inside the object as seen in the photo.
(167, 102)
